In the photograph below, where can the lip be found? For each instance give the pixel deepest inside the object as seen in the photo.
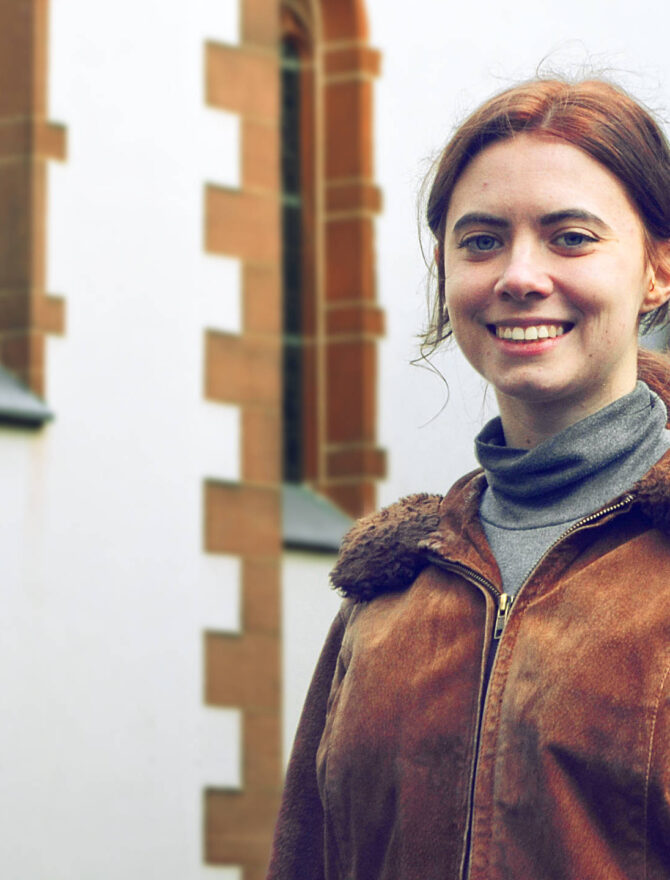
(529, 348)
(530, 322)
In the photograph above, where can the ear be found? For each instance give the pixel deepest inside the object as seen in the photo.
(658, 288)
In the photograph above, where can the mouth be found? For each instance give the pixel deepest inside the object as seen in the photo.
(531, 333)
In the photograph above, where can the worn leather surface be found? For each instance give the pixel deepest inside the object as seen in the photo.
(573, 774)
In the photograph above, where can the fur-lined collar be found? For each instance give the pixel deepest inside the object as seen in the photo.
(385, 551)
(381, 552)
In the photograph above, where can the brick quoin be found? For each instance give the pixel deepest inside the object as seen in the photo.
(341, 325)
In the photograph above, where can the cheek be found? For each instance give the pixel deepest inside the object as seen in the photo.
(615, 296)
(461, 310)
(465, 293)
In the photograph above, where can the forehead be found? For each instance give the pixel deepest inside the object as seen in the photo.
(531, 174)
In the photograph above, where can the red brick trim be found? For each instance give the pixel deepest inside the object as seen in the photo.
(353, 60)
(242, 80)
(244, 518)
(345, 21)
(242, 224)
(27, 141)
(242, 369)
(343, 322)
(341, 318)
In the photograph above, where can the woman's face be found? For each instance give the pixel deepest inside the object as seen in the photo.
(546, 276)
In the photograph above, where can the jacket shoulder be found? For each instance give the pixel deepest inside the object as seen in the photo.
(381, 551)
(385, 551)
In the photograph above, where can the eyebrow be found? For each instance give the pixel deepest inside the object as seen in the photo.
(550, 219)
(573, 214)
(479, 217)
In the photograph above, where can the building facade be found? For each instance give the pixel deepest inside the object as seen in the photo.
(188, 331)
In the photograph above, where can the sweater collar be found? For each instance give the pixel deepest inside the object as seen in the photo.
(578, 469)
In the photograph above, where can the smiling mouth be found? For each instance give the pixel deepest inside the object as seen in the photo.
(528, 334)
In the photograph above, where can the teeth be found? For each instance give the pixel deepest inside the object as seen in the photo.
(529, 334)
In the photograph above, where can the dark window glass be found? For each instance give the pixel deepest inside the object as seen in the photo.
(292, 265)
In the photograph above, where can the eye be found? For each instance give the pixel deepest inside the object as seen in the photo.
(573, 240)
(480, 243)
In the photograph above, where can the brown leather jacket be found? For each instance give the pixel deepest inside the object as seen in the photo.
(415, 760)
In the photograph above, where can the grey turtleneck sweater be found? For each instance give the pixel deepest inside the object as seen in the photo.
(533, 496)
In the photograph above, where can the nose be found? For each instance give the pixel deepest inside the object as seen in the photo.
(523, 275)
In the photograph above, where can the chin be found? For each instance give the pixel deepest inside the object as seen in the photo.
(535, 395)
(534, 390)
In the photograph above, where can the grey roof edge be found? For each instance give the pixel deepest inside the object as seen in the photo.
(19, 406)
(311, 522)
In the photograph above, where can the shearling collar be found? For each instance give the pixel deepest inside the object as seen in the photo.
(385, 551)
(382, 553)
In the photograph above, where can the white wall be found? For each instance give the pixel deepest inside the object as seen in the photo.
(105, 743)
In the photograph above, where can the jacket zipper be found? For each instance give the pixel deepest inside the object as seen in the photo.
(575, 527)
(504, 608)
(504, 604)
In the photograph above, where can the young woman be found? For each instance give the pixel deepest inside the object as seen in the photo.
(493, 700)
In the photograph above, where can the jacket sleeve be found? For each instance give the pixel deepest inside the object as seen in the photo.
(298, 848)
(658, 787)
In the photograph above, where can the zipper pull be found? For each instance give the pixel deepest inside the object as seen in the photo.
(504, 607)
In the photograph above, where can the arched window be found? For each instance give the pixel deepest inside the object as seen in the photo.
(330, 317)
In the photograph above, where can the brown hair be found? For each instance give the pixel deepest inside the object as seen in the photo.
(594, 115)
(653, 367)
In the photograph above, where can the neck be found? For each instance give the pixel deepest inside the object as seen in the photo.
(526, 424)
